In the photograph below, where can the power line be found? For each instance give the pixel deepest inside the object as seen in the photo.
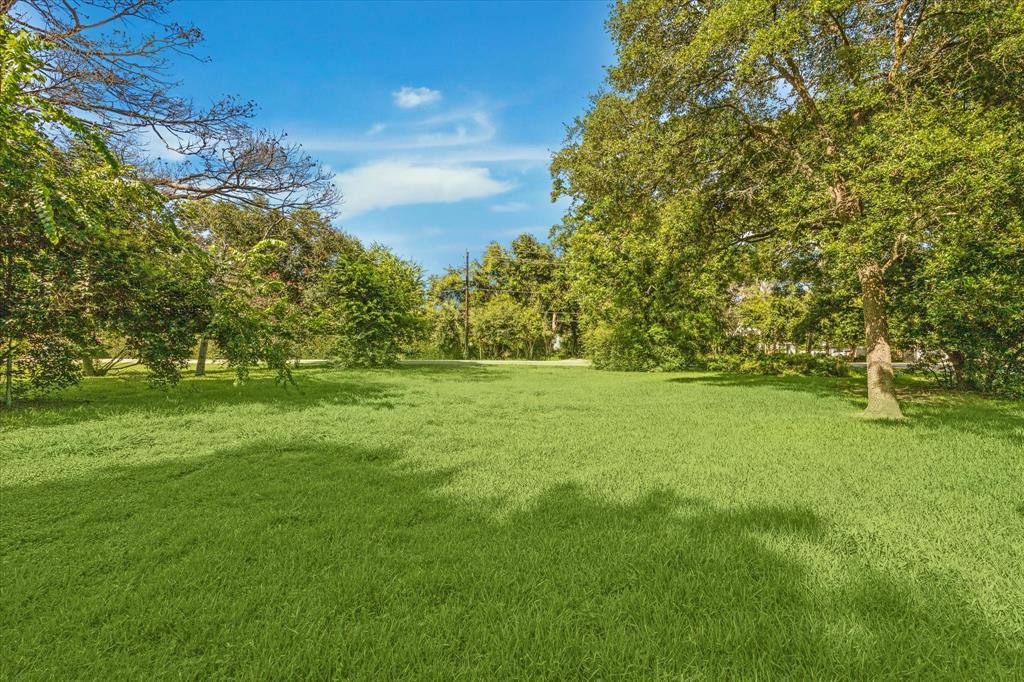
(495, 273)
(514, 291)
(524, 259)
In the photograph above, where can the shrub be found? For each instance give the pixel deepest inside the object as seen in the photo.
(628, 347)
(780, 364)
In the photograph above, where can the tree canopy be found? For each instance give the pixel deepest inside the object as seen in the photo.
(849, 137)
(104, 256)
(757, 179)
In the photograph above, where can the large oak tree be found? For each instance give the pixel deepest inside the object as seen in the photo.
(849, 132)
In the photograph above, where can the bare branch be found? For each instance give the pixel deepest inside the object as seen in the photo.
(108, 63)
(899, 46)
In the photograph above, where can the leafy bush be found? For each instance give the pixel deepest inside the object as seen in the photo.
(972, 309)
(990, 373)
(628, 347)
(43, 364)
(505, 328)
(446, 333)
(780, 364)
(371, 307)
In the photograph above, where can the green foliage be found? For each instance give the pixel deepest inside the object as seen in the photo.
(780, 364)
(971, 307)
(288, 284)
(43, 363)
(445, 339)
(805, 145)
(86, 246)
(776, 313)
(371, 307)
(520, 303)
(502, 328)
(250, 317)
(629, 346)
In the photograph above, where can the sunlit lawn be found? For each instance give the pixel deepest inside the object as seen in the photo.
(495, 522)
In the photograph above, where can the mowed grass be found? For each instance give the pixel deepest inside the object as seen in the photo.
(510, 522)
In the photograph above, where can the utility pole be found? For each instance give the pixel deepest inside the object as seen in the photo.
(465, 330)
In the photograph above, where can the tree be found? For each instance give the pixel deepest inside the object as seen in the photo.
(965, 306)
(445, 322)
(108, 63)
(528, 280)
(83, 83)
(86, 245)
(445, 314)
(370, 305)
(236, 239)
(503, 328)
(852, 130)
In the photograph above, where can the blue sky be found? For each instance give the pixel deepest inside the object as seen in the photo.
(438, 118)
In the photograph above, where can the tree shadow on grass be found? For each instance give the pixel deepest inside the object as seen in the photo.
(302, 559)
(107, 396)
(453, 371)
(314, 385)
(926, 407)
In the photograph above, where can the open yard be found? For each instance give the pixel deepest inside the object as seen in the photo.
(489, 522)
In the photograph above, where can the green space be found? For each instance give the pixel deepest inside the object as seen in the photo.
(470, 521)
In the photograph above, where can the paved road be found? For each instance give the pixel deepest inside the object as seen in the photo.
(544, 363)
(316, 361)
(209, 362)
(895, 365)
(570, 363)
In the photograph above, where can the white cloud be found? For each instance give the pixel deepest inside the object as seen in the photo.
(510, 207)
(409, 98)
(457, 129)
(382, 184)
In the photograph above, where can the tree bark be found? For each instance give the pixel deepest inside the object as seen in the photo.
(9, 374)
(201, 357)
(8, 310)
(88, 368)
(957, 360)
(882, 403)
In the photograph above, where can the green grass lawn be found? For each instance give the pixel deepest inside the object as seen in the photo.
(494, 522)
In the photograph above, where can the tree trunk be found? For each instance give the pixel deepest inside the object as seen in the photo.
(957, 361)
(8, 309)
(882, 403)
(201, 357)
(88, 368)
(9, 374)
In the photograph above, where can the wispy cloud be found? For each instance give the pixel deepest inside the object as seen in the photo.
(410, 98)
(497, 153)
(445, 156)
(510, 207)
(456, 129)
(382, 184)
(404, 241)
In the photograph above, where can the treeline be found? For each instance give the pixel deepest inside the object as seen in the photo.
(779, 189)
(112, 258)
(519, 307)
(825, 175)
